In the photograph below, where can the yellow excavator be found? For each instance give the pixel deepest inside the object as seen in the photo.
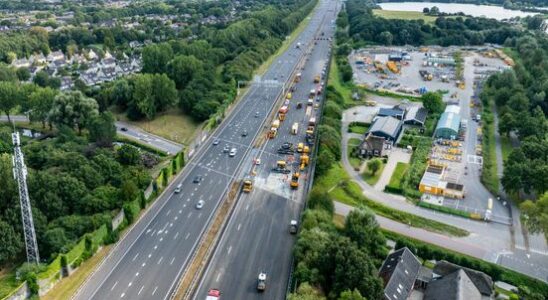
(294, 184)
(248, 185)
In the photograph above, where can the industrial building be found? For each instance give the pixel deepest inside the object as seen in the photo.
(448, 126)
(435, 181)
(415, 116)
(387, 127)
(395, 112)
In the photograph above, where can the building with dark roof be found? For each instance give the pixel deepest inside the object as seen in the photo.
(372, 146)
(391, 112)
(415, 116)
(399, 272)
(455, 286)
(387, 127)
(481, 281)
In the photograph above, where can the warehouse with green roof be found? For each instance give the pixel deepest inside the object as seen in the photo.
(448, 126)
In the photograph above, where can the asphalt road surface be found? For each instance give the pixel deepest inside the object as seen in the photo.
(257, 238)
(149, 260)
(141, 136)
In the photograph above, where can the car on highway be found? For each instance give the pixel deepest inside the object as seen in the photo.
(200, 204)
(261, 282)
(178, 188)
(123, 128)
(232, 152)
(197, 179)
(213, 294)
(226, 149)
(216, 142)
(244, 133)
(256, 114)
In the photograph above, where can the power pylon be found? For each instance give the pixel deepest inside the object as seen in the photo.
(20, 175)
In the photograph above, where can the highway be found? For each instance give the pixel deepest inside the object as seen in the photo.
(257, 238)
(149, 260)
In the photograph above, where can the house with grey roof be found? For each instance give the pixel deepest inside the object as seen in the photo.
(387, 127)
(399, 272)
(391, 112)
(372, 146)
(415, 115)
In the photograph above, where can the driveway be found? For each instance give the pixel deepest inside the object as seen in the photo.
(396, 155)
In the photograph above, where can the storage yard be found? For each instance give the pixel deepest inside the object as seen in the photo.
(452, 178)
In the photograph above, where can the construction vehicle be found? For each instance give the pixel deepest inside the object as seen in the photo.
(378, 66)
(317, 79)
(248, 185)
(312, 93)
(304, 161)
(298, 77)
(306, 149)
(261, 282)
(282, 112)
(299, 105)
(370, 103)
(281, 167)
(294, 184)
(288, 96)
(427, 76)
(293, 227)
(274, 129)
(391, 65)
(213, 294)
(295, 128)
(300, 147)
(286, 148)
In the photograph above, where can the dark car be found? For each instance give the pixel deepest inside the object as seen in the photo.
(197, 179)
(123, 129)
(244, 133)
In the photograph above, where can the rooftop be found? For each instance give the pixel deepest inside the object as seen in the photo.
(399, 271)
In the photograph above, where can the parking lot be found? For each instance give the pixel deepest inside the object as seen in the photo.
(418, 70)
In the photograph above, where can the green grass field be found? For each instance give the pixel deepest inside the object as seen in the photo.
(397, 176)
(335, 81)
(506, 147)
(356, 128)
(354, 161)
(404, 15)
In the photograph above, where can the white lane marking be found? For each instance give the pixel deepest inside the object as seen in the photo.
(210, 197)
(172, 260)
(153, 292)
(168, 212)
(200, 215)
(148, 230)
(161, 239)
(153, 232)
(135, 257)
(176, 235)
(229, 249)
(136, 274)
(140, 290)
(122, 296)
(170, 224)
(176, 217)
(239, 225)
(191, 195)
(149, 255)
(129, 284)
(218, 277)
(189, 214)
(155, 247)
(195, 189)
(180, 211)
(184, 205)
(114, 285)
(144, 264)
(160, 260)
(187, 235)
(247, 207)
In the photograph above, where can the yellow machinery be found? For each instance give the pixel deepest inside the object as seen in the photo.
(317, 79)
(304, 161)
(288, 96)
(294, 184)
(379, 66)
(274, 129)
(392, 67)
(248, 185)
(281, 167)
(300, 147)
(306, 149)
(282, 112)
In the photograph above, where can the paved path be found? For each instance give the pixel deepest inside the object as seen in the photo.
(396, 155)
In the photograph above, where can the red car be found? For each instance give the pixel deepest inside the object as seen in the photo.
(213, 294)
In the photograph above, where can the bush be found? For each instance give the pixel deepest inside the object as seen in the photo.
(77, 262)
(444, 209)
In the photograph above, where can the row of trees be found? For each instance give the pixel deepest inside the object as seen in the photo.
(366, 28)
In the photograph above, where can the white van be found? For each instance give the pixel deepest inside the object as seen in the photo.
(178, 188)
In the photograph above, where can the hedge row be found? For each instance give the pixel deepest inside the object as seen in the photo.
(448, 210)
(498, 273)
(393, 189)
(140, 145)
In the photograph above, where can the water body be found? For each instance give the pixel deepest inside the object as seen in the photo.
(495, 12)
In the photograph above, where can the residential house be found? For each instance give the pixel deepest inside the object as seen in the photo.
(56, 55)
(399, 272)
(372, 146)
(21, 63)
(391, 112)
(415, 115)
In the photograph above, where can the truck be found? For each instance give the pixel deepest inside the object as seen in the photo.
(304, 160)
(295, 128)
(282, 112)
(281, 167)
(312, 93)
(312, 122)
(261, 282)
(213, 294)
(298, 77)
(391, 65)
(294, 184)
(288, 96)
(248, 185)
(273, 132)
(317, 79)
(276, 124)
(300, 147)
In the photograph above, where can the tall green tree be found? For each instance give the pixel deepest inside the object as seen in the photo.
(362, 228)
(73, 109)
(102, 130)
(535, 215)
(432, 102)
(9, 96)
(40, 103)
(156, 58)
(374, 165)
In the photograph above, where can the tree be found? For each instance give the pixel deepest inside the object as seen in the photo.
(351, 295)
(11, 245)
(386, 38)
(183, 68)
(73, 109)
(128, 155)
(325, 160)
(432, 102)
(54, 241)
(102, 130)
(128, 191)
(374, 165)
(535, 215)
(434, 10)
(306, 292)
(23, 74)
(40, 102)
(164, 91)
(362, 228)
(156, 58)
(507, 123)
(319, 199)
(43, 79)
(426, 10)
(142, 103)
(9, 96)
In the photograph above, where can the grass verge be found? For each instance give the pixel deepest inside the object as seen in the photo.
(354, 161)
(69, 285)
(171, 125)
(399, 172)
(489, 176)
(357, 128)
(334, 80)
(506, 147)
(8, 283)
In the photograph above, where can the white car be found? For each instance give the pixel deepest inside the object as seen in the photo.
(200, 204)
(232, 152)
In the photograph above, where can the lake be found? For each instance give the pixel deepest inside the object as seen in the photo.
(495, 12)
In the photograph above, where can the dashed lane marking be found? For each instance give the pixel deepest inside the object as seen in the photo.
(155, 288)
(135, 257)
(114, 285)
(140, 290)
(160, 260)
(172, 260)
